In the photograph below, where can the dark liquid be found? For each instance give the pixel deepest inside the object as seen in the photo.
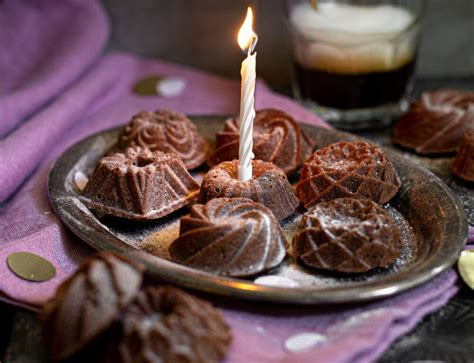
(349, 91)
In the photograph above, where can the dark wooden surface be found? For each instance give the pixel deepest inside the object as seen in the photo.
(443, 336)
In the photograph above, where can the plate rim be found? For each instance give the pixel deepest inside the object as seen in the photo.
(239, 289)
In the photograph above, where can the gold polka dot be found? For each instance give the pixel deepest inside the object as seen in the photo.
(31, 267)
(147, 86)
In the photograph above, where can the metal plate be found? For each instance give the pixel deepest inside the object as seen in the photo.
(431, 221)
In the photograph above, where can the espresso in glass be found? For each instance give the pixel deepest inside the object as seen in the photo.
(359, 90)
(353, 59)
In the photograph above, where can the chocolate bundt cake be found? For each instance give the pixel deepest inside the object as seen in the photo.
(269, 186)
(436, 122)
(231, 237)
(347, 169)
(166, 324)
(277, 138)
(463, 165)
(347, 235)
(102, 314)
(166, 131)
(88, 303)
(139, 184)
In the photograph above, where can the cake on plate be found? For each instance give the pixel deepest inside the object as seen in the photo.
(167, 131)
(347, 169)
(231, 237)
(269, 186)
(277, 138)
(347, 235)
(139, 184)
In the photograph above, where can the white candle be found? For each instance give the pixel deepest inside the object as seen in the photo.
(247, 40)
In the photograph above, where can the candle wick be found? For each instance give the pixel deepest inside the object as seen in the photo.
(251, 47)
(254, 43)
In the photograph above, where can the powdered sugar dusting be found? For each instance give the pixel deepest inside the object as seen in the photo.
(303, 341)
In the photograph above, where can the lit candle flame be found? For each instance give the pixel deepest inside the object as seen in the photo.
(246, 37)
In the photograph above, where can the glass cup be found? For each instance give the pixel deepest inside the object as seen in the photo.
(354, 61)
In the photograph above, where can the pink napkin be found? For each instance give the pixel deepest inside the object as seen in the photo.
(99, 95)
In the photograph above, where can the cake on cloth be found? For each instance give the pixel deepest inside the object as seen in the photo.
(231, 237)
(167, 131)
(347, 235)
(347, 169)
(277, 138)
(436, 122)
(103, 313)
(88, 302)
(269, 186)
(165, 324)
(139, 184)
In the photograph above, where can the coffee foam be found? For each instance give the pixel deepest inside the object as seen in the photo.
(351, 39)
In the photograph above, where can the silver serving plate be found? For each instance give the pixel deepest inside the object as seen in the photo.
(430, 219)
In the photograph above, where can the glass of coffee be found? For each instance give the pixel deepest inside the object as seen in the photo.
(354, 60)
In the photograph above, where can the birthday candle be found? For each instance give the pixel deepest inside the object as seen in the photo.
(247, 40)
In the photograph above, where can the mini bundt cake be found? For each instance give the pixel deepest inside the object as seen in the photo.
(167, 325)
(166, 131)
(139, 184)
(436, 122)
(347, 235)
(277, 138)
(269, 186)
(88, 303)
(231, 237)
(463, 165)
(347, 169)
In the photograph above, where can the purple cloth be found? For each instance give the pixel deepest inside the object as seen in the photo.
(101, 98)
(44, 45)
(356, 334)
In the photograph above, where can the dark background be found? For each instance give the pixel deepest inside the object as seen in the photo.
(202, 33)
